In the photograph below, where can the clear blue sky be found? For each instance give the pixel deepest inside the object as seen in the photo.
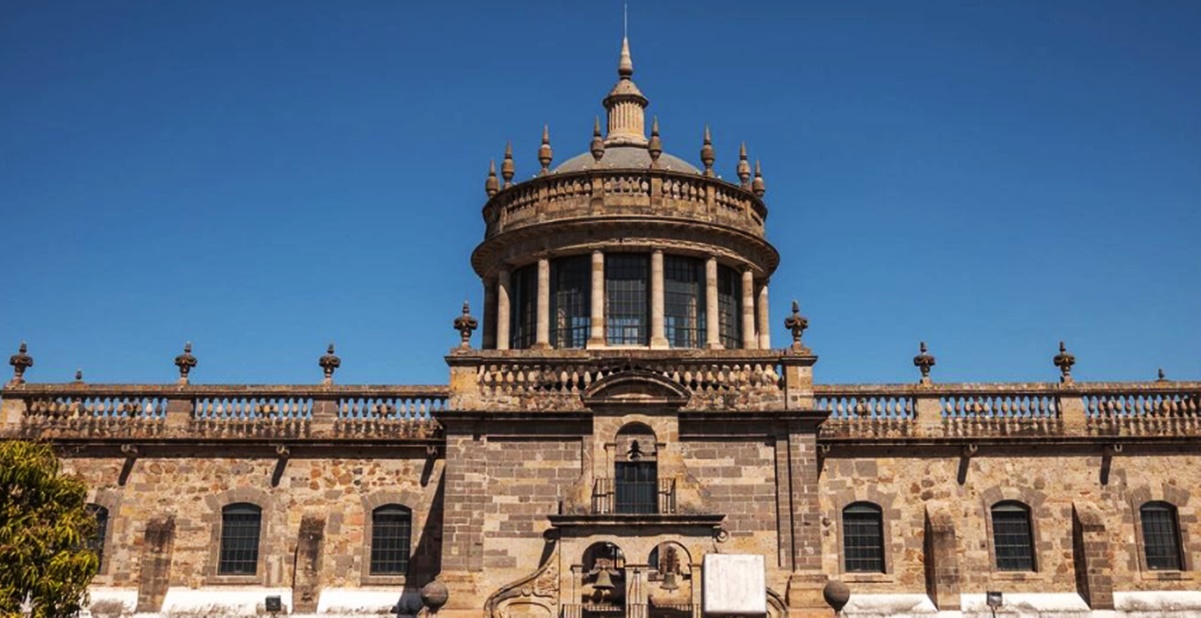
(264, 177)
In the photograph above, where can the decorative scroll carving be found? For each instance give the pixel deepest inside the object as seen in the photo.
(535, 595)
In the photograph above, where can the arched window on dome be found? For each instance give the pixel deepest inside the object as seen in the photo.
(627, 298)
(571, 301)
(729, 307)
(523, 319)
(684, 301)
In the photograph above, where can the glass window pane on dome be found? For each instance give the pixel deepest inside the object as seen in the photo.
(729, 307)
(240, 525)
(1161, 537)
(627, 308)
(1012, 538)
(524, 303)
(684, 301)
(571, 301)
(391, 531)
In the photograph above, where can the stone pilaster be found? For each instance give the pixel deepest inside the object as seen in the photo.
(156, 563)
(465, 497)
(596, 331)
(942, 557)
(658, 339)
(749, 340)
(712, 321)
(12, 410)
(1091, 555)
(504, 293)
(306, 580)
(542, 332)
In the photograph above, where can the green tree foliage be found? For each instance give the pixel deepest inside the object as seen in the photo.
(44, 532)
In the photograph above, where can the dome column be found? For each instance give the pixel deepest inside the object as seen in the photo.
(749, 341)
(764, 319)
(596, 331)
(489, 340)
(503, 294)
(658, 340)
(712, 319)
(542, 334)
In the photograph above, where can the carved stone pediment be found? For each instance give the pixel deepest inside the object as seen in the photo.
(635, 387)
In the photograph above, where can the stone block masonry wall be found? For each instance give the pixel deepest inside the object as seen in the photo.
(189, 491)
(528, 478)
(738, 477)
(1057, 484)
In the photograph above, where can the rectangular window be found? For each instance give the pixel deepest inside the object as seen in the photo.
(863, 541)
(571, 301)
(1012, 539)
(1161, 539)
(637, 487)
(96, 541)
(684, 301)
(627, 306)
(391, 527)
(239, 540)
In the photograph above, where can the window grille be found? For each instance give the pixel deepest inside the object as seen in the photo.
(729, 309)
(1161, 536)
(240, 526)
(863, 538)
(571, 301)
(391, 530)
(684, 301)
(1012, 537)
(637, 487)
(626, 300)
(523, 314)
(96, 541)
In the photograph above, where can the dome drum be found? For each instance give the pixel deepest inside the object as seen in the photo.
(598, 193)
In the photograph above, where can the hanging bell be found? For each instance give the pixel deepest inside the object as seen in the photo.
(603, 581)
(669, 581)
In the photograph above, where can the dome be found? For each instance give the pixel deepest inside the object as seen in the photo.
(624, 157)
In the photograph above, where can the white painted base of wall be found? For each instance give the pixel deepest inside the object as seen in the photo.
(230, 602)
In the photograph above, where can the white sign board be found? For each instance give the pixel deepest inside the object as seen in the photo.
(735, 584)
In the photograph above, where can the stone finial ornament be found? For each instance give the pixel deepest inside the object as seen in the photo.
(924, 361)
(625, 64)
(20, 362)
(796, 323)
(744, 168)
(757, 185)
(597, 147)
(506, 166)
(79, 376)
(465, 324)
(707, 154)
(545, 154)
(836, 594)
(655, 146)
(434, 595)
(186, 362)
(1064, 360)
(329, 363)
(491, 185)
(1163, 377)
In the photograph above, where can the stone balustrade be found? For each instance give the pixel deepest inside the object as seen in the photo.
(624, 192)
(68, 411)
(727, 381)
(1099, 409)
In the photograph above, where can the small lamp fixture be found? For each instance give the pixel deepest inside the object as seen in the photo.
(273, 604)
(993, 599)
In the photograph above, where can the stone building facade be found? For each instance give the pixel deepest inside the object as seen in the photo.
(624, 442)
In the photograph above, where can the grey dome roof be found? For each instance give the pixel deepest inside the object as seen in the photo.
(623, 157)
